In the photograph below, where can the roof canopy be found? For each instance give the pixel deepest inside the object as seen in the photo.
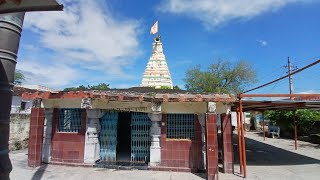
(280, 102)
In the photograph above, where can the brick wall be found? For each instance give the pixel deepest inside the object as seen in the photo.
(181, 153)
(68, 147)
(35, 137)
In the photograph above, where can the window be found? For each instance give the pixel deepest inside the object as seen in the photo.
(69, 120)
(180, 126)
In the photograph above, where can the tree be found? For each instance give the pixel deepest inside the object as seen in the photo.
(176, 87)
(100, 86)
(18, 77)
(220, 77)
(305, 120)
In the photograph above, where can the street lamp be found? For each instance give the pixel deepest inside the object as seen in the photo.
(10, 32)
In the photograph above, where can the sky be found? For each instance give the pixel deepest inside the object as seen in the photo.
(109, 41)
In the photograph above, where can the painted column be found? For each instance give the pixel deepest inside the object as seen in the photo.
(92, 146)
(155, 132)
(202, 121)
(227, 143)
(212, 142)
(47, 135)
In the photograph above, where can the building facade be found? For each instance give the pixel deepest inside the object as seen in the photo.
(158, 131)
(157, 73)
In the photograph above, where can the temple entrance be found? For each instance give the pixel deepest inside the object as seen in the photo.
(124, 137)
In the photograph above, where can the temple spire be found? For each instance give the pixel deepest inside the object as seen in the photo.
(157, 73)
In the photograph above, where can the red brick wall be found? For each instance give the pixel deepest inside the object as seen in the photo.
(227, 144)
(212, 147)
(35, 137)
(68, 147)
(181, 153)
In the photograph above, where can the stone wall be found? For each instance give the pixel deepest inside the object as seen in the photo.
(19, 131)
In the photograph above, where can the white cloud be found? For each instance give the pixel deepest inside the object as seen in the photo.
(87, 35)
(262, 42)
(216, 12)
(53, 75)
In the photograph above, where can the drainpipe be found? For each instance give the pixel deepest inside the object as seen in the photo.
(10, 32)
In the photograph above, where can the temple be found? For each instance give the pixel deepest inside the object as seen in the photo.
(157, 73)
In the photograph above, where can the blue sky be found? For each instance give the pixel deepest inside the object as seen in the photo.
(109, 41)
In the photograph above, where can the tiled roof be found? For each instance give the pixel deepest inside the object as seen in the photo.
(18, 91)
(136, 94)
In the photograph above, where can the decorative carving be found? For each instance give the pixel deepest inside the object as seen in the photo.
(86, 103)
(156, 106)
(36, 103)
(212, 107)
(201, 119)
(155, 117)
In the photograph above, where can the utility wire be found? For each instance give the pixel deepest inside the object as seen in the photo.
(295, 72)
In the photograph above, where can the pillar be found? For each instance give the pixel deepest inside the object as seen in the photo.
(92, 146)
(10, 33)
(155, 132)
(211, 142)
(227, 143)
(202, 121)
(47, 135)
(36, 134)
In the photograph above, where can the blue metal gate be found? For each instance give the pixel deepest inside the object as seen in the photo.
(108, 136)
(140, 137)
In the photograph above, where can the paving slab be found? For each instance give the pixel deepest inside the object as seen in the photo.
(266, 160)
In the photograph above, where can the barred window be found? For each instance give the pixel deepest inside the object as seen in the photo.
(69, 120)
(180, 126)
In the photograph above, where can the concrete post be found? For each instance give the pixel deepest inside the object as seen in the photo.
(10, 32)
(47, 136)
(92, 146)
(202, 121)
(155, 132)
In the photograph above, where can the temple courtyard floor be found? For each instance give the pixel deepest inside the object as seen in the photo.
(269, 159)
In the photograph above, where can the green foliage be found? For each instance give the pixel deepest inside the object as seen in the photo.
(305, 120)
(220, 77)
(19, 77)
(176, 87)
(100, 86)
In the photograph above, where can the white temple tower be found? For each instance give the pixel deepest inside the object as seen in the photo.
(157, 73)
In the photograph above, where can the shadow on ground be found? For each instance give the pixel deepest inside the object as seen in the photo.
(261, 154)
(39, 173)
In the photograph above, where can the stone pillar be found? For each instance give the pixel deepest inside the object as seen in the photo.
(47, 136)
(92, 146)
(36, 136)
(155, 132)
(212, 142)
(227, 153)
(202, 121)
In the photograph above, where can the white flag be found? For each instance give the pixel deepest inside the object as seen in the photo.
(154, 28)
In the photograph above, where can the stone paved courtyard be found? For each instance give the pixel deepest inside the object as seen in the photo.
(272, 159)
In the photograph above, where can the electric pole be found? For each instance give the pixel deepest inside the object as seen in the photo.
(290, 69)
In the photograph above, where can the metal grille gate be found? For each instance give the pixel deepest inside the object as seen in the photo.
(108, 136)
(140, 137)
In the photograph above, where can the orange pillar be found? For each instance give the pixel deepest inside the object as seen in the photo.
(295, 130)
(239, 140)
(264, 133)
(243, 141)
